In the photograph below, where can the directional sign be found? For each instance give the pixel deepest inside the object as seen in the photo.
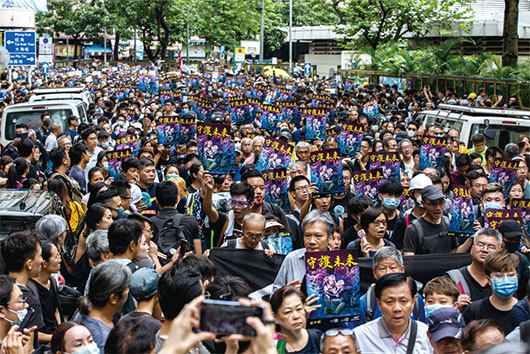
(45, 68)
(45, 58)
(22, 47)
(307, 69)
(45, 45)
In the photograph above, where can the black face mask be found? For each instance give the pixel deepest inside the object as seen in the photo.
(511, 246)
(22, 135)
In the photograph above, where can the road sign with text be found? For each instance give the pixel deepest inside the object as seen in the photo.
(21, 47)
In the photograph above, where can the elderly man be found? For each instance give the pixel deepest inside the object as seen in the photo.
(302, 151)
(445, 330)
(317, 228)
(338, 341)
(253, 232)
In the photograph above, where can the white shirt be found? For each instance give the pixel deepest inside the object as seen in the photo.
(239, 246)
(375, 337)
(51, 142)
(92, 162)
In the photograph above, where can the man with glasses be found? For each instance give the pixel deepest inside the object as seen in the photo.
(338, 341)
(429, 233)
(300, 192)
(361, 159)
(501, 270)
(472, 279)
(253, 232)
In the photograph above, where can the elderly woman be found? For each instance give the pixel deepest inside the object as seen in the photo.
(53, 228)
(257, 146)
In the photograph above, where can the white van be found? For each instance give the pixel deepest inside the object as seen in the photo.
(503, 125)
(29, 113)
(62, 93)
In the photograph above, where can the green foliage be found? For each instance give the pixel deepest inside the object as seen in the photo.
(372, 23)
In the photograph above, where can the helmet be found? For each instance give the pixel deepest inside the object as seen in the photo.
(419, 182)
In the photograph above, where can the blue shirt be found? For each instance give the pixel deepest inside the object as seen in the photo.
(520, 312)
(97, 329)
(72, 133)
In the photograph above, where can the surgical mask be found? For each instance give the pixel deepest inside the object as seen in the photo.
(375, 128)
(431, 308)
(21, 314)
(418, 201)
(411, 133)
(106, 165)
(120, 123)
(407, 120)
(22, 135)
(511, 246)
(46, 123)
(492, 206)
(92, 348)
(387, 118)
(504, 287)
(105, 144)
(120, 213)
(172, 176)
(390, 203)
(185, 111)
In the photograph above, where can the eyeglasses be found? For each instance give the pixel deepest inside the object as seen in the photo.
(435, 204)
(149, 231)
(377, 223)
(301, 188)
(336, 331)
(483, 245)
(239, 203)
(23, 301)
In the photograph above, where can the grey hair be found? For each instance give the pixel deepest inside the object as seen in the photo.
(387, 252)
(97, 243)
(302, 144)
(256, 138)
(65, 136)
(255, 217)
(319, 216)
(301, 163)
(324, 338)
(32, 133)
(51, 226)
(404, 141)
(488, 232)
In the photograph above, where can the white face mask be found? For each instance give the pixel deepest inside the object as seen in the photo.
(92, 348)
(21, 314)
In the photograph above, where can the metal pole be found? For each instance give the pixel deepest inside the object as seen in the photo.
(105, 45)
(67, 48)
(290, 36)
(261, 32)
(134, 43)
(188, 33)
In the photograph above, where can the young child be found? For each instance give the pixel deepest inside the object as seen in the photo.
(440, 292)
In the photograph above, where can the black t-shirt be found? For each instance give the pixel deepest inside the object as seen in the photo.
(483, 309)
(434, 240)
(392, 225)
(477, 291)
(398, 235)
(348, 236)
(49, 304)
(161, 164)
(32, 299)
(153, 209)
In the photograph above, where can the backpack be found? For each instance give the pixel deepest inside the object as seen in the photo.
(457, 276)
(370, 304)
(171, 237)
(419, 229)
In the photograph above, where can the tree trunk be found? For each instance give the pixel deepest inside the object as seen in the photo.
(116, 46)
(510, 36)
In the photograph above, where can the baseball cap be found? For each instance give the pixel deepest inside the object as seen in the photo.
(510, 228)
(432, 193)
(446, 322)
(103, 134)
(144, 283)
(238, 147)
(472, 95)
(272, 222)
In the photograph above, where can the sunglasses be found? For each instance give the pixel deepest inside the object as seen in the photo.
(336, 331)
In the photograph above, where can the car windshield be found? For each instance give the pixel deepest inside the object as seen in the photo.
(504, 134)
(32, 120)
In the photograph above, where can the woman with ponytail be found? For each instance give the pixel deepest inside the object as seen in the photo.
(73, 211)
(16, 175)
(107, 292)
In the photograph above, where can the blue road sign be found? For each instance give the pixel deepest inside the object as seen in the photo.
(22, 47)
(307, 69)
(45, 68)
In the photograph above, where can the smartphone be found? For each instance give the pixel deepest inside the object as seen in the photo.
(26, 320)
(228, 317)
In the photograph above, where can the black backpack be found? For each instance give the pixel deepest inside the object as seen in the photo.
(171, 237)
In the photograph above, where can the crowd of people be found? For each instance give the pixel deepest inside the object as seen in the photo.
(123, 266)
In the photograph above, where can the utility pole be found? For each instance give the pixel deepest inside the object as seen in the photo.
(290, 36)
(134, 43)
(105, 44)
(188, 33)
(261, 32)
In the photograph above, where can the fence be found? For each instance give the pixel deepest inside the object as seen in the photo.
(461, 85)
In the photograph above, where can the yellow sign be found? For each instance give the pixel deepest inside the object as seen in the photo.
(240, 50)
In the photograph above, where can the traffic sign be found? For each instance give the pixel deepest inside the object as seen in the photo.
(307, 69)
(22, 47)
(45, 58)
(45, 68)
(223, 50)
(45, 45)
(239, 56)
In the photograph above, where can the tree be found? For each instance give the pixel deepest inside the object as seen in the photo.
(509, 33)
(371, 23)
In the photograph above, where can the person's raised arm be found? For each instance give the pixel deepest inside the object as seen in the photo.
(307, 205)
(206, 195)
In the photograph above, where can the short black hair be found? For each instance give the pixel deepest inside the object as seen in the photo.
(166, 193)
(86, 133)
(132, 335)
(253, 172)
(76, 153)
(394, 279)
(72, 117)
(128, 163)
(463, 160)
(17, 248)
(6, 287)
(242, 188)
(229, 288)
(57, 155)
(143, 163)
(297, 179)
(492, 151)
(106, 195)
(121, 233)
(358, 204)
(391, 187)
(177, 287)
(94, 214)
(121, 186)
(199, 263)
(25, 147)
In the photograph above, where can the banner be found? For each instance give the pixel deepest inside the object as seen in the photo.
(276, 188)
(216, 148)
(350, 139)
(168, 130)
(333, 277)
(114, 159)
(124, 141)
(316, 124)
(275, 153)
(523, 205)
(432, 152)
(291, 113)
(494, 217)
(270, 116)
(240, 112)
(388, 162)
(367, 182)
(326, 172)
(503, 172)
(462, 215)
